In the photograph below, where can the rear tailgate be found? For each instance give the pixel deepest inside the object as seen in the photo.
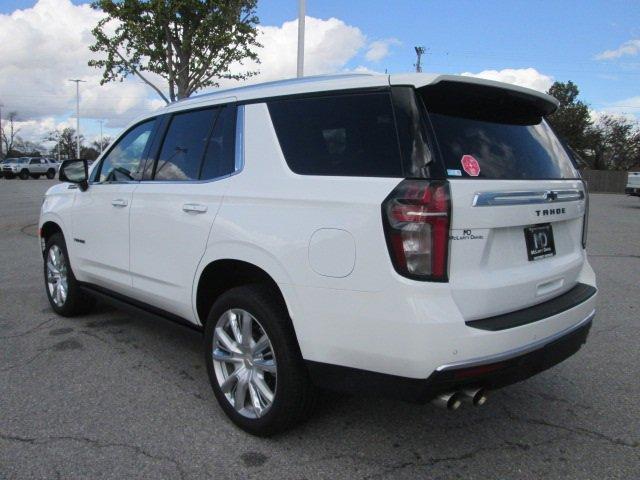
(490, 268)
(516, 197)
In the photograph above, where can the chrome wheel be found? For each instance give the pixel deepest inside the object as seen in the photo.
(244, 363)
(57, 275)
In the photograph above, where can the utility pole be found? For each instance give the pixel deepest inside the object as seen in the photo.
(302, 7)
(1, 105)
(77, 115)
(419, 52)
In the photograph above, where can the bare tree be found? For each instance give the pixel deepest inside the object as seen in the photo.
(9, 134)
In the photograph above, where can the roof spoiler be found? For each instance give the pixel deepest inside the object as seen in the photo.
(483, 99)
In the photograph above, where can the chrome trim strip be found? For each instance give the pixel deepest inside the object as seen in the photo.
(239, 139)
(516, 351)
(490, 199)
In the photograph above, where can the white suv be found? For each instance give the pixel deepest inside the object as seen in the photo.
(420, 236)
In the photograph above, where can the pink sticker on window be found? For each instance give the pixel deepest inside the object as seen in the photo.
(470, 165)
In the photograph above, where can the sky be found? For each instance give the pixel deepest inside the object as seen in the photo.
(596, 44)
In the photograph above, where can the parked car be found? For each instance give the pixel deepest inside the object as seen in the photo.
(25, 167)
(633, 184)
(418, 236)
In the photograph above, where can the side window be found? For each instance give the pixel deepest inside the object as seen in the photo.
(341, 135)
(124, 162)
(34, 161)
(219, 158)
(184, 145)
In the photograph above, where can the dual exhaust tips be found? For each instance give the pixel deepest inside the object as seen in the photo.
(453, 400)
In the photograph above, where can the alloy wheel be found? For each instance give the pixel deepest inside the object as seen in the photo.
(244, 363)
(57, 280)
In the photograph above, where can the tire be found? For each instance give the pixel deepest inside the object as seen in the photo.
(51, 174)
(74, 301)
(293, 394)
(24, 175)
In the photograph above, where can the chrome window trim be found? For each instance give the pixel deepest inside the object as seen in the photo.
(492, 199)
(239, 145)
(238, 167)
(516, 352)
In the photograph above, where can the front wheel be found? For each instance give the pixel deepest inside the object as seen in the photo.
(63, 291)
(24, 175)
(254, 362)
(51, 173)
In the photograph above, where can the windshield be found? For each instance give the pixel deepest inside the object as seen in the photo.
(500, 150)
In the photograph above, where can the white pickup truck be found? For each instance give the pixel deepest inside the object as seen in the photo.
(633, 184)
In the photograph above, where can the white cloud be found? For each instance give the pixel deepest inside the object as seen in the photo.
(524, 77)
(329, 45)
(380, 49)
(628, 108)
(630, 47)
(42, 47)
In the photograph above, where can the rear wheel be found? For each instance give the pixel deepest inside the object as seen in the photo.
(254, 362)
(63, 291)
(51, 173)
(24, 174)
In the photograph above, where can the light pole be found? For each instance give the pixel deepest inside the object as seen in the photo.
(101, 122)
(77, 115)
(419, 52)
(302, 7)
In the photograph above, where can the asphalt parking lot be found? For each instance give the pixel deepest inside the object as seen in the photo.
(110, 395)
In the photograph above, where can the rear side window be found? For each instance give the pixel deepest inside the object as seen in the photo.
(341, 135)
(501, 150)
(184, 145)
(219, 158)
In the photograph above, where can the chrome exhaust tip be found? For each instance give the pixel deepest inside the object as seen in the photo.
(450, 401)
(475, 396)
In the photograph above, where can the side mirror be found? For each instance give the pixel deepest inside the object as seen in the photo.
(75, 171)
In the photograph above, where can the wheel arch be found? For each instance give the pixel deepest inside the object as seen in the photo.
(48, 229)
(221, 275)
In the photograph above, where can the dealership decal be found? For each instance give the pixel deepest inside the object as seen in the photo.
(466, 235)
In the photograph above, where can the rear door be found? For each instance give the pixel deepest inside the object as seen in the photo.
(518, 208)
(174, 209)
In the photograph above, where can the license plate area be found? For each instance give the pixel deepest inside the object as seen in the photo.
(539, 240)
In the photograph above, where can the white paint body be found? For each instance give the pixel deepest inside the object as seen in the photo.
(321, 240)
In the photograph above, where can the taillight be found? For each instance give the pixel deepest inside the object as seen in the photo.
(416, 217)
(585, 220)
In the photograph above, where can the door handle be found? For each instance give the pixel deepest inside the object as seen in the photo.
(119, 202)
(194, 208)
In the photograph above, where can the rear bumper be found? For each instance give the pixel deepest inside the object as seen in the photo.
(489, 372)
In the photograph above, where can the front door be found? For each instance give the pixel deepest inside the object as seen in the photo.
(174, 211)
(101, 213)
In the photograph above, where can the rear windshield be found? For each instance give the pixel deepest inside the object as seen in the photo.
(487, 149)
(340, 135)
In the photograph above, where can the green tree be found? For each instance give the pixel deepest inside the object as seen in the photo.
(191, 44)
(572, 120)
(65, 142)
(105, 143)
(616, 143)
